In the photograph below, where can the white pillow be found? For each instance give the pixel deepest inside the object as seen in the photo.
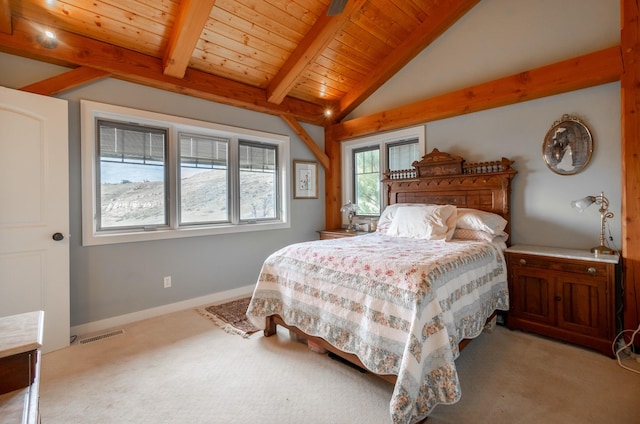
(479, 235)
(473, 219)
(384, 222)
(430, 222)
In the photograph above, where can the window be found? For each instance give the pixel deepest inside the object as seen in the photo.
(149, 176)
(258, 181)
(366, 180)
(366, 159)
(402, 154)
(131, 185)
(204, 179)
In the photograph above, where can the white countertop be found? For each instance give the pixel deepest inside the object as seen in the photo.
(560, 252)
(21, 333)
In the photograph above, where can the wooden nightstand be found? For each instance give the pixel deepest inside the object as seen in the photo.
(339, 233)
(568, 294)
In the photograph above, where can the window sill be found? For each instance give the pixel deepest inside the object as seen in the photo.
(173, 233)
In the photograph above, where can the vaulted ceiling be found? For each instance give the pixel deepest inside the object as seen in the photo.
(292, 58)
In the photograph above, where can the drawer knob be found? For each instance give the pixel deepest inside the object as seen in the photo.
(523, 261)
(591, 270)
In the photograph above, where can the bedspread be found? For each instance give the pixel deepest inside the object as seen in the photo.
(401, 305)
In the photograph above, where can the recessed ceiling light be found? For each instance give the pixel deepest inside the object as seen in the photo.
(47, 39)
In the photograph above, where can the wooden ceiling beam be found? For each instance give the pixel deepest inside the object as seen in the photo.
(307, 140)
(585, 71)
(582, 72)
(430, 29)
(187, 28)
(75, 50)
(66, 81)
(5, 16)
(312, 45)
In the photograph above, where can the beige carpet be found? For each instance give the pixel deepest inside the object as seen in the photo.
(181, 368)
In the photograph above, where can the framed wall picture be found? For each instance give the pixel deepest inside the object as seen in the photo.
(305, 179)
(568, 146)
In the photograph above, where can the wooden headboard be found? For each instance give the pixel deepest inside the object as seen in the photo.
(444, 179)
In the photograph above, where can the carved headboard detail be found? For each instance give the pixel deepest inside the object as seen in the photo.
(442, 178)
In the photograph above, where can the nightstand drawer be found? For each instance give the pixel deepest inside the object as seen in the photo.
(339, 233)
(576, 267)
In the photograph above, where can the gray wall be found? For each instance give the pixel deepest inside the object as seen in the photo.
(113, 280)
(497, 38)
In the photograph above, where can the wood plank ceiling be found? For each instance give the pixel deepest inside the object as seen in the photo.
(284, 57)
(289, 58)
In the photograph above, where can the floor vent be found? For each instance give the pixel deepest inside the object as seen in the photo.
(101, 336)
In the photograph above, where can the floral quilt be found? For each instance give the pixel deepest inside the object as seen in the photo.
(401, 305)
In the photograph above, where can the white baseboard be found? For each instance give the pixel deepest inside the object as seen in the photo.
(92, 327)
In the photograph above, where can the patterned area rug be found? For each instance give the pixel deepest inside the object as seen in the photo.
(231, 316)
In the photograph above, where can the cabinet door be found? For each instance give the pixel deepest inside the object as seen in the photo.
(532, 295)
(582, 304)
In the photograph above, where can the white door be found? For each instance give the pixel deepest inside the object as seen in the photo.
(34, 205)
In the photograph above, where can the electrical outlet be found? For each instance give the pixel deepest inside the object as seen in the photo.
(167, 281)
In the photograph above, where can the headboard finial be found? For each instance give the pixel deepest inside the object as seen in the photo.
(438, 163)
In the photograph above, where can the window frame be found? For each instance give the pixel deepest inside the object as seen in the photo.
(381, 141)
(181, 221)
(98, 165)
(92, 111)
(257, 144)
(353, 160)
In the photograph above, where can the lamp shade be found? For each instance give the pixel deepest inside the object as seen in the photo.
(348, 207)
(582, 204)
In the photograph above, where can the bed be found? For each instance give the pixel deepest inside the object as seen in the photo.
(402, 301)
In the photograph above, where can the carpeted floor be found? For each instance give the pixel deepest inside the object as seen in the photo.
(181, 368)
